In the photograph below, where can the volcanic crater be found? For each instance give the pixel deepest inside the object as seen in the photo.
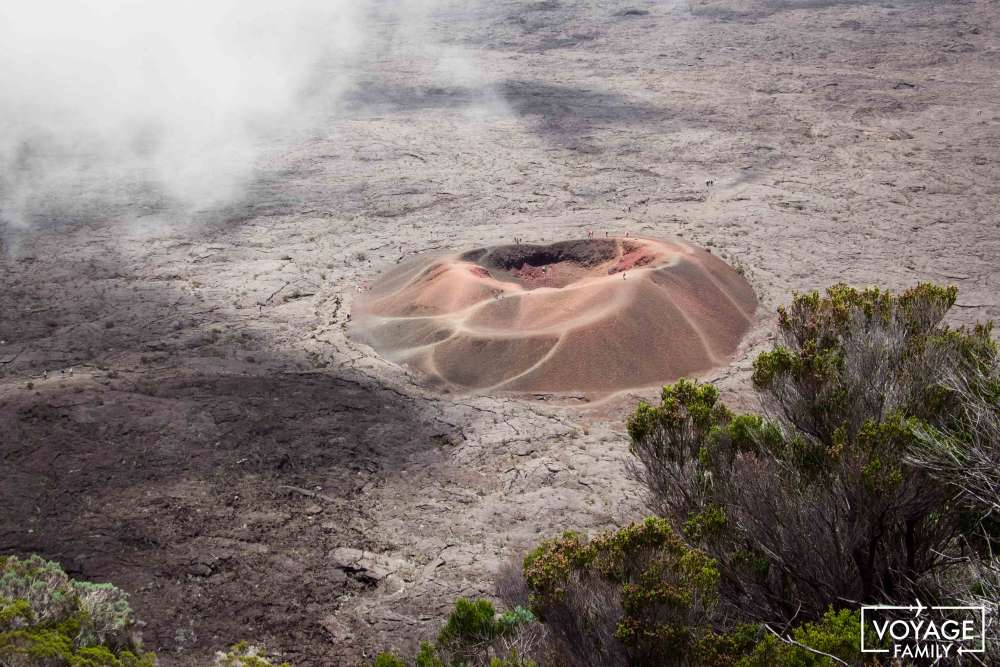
(593, 316)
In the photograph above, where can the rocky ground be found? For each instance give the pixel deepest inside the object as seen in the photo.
(182, 414)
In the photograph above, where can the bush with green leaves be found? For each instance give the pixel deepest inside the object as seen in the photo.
(635, 596)
(388, 659)
(472, 622)
(815, 501)
(475, 635)
(50, 620)
(834, 639)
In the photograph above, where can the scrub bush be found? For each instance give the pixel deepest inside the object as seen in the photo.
(635, 596)
(816, 502)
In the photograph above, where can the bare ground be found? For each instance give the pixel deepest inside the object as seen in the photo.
(182, 414)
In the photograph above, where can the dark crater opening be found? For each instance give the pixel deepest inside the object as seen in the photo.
(584, 253)
(554, 265)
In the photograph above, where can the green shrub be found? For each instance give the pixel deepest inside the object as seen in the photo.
(510, 620)
(636, 596)
(474, 634)
(816, 500)
(428, 656)
(46, 619)
(837, 633)
(471, 622)
(388, 659)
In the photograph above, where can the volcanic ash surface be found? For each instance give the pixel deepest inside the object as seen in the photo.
(592, 316)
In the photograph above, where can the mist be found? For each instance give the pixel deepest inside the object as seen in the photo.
(118, 105)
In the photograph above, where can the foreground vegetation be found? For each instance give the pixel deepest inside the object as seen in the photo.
(871, 475)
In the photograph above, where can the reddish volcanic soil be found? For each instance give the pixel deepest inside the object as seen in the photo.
(589, 317)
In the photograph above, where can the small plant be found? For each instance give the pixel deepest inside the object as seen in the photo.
(244, 654)
(474, 634)
(388, 659)
(472, 622)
